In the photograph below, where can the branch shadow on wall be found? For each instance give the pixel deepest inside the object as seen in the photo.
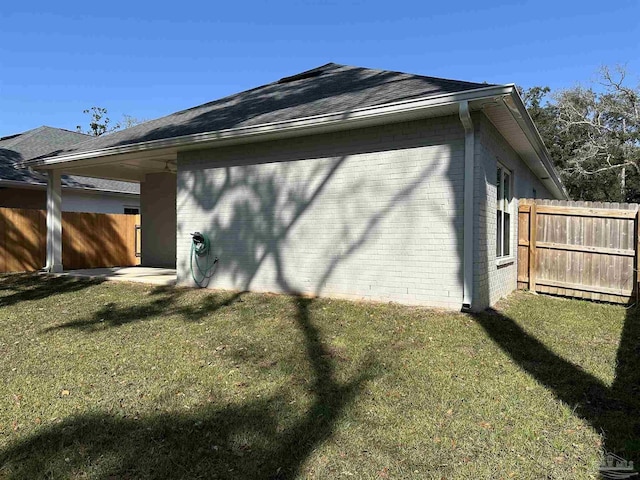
(267, 209)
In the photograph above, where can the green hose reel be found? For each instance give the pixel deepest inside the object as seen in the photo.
(204, 261)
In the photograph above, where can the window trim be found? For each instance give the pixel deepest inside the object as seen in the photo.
(509, 258)
(501, 261)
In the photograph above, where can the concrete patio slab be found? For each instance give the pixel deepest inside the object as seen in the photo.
(151, 275)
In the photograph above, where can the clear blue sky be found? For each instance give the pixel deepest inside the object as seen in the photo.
(149, 60)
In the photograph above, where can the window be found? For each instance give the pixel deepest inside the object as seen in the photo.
(503, 212)
(131, 210)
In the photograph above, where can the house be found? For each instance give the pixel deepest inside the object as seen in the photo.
(338, 181)
(26, 188)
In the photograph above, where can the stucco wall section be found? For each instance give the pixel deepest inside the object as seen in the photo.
(158, 220)
(374, 213)
(492, 281)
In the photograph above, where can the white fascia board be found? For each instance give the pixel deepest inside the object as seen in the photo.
(43, 186)
(346, 119)
(23, 185)
(96, 191)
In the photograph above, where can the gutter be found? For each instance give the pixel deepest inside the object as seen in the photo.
(307, 125)
(43, 186)
(469, 154)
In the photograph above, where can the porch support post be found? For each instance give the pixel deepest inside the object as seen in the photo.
(54, 222)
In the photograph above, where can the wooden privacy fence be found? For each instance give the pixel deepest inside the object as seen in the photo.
(579, 249)
(89, 240)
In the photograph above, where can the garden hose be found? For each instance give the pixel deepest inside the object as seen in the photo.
(205, 263)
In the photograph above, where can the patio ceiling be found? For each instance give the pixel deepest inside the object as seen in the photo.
(129, 167)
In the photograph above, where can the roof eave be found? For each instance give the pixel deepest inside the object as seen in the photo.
(361, 117)
(307, 125)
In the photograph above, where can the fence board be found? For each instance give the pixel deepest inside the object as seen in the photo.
(533, 260)
(585, 248)
(523, 245)
(579, 249)
(599, 211)
(89, 240)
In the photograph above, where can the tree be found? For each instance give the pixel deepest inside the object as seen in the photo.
(593, 135)
(604, 128)
(130, 121)
(99, 122)
(544, 114)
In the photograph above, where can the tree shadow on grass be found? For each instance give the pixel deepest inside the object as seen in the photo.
(613, 411)
(165, 301)
(16, 288)
(265, 438)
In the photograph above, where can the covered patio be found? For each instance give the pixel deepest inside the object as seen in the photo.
(157, 177)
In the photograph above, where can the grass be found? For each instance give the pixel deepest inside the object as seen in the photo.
(118, 380)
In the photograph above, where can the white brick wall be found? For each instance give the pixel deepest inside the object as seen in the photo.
(492, 282)
(373, 213)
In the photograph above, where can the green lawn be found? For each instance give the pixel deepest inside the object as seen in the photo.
(119, 380)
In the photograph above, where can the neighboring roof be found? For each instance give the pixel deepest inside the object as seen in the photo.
(326, 89)
(46, 141)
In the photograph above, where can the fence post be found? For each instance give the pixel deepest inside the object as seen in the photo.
(533, 232)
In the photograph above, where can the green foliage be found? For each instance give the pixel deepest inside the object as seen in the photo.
(99, 122)
(593, 136)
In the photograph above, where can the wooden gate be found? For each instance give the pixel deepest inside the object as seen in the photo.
(89, 240)
(579, 249)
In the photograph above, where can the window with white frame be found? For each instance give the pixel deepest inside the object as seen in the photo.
(503, 213)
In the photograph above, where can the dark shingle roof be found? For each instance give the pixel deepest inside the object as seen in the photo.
(43, 141)
(326, 89)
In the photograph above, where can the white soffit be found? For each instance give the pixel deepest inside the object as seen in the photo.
(503, 119)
